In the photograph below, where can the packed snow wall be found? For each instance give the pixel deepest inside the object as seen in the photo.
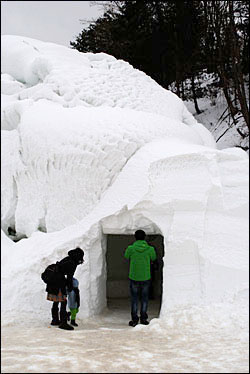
(91, 147)
(70, 123)
(205, 230)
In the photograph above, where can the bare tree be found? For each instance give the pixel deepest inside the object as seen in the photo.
(226, 54)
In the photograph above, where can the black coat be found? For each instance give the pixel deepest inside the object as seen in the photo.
(67, 267)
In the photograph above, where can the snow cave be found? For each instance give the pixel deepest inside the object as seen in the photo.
(92, 150)
(117, 267)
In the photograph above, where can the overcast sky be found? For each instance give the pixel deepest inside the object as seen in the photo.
(50, 21)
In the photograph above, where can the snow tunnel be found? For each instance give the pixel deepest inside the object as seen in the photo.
(107, 288)
(117, 267)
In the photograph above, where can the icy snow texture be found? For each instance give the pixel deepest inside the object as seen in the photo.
(50, 96)
(92, 146)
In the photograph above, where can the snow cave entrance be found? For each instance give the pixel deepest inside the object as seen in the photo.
(117, 283)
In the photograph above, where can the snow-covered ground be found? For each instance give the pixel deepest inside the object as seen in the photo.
(189, 340)
(212, 118)
(90, 147)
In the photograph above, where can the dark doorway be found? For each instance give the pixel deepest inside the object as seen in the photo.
(118, 269)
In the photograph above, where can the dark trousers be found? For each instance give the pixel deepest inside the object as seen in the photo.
(63, 312)
(139, 290)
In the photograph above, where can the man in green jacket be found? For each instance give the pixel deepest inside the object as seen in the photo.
(140, 255)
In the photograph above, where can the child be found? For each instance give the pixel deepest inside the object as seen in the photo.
(74, 301)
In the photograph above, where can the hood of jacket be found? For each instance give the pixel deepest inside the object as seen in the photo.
(140, 246)
(76, 254)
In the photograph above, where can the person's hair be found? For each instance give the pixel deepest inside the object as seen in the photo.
(140, 235)
(77, 254)
(79, 250)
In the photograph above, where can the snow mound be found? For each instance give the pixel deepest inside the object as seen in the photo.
(72, 79)
(87, 113)
(92, 146)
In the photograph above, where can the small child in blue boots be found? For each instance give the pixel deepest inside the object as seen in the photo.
(73, 302)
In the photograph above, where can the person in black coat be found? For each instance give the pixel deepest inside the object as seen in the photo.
(57, 290)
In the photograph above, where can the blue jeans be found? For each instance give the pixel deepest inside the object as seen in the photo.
(139, 289)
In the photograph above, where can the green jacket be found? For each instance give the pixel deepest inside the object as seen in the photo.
(140, 255)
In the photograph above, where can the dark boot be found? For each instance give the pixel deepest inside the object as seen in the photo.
(133, 323)
(68, 316)
(65, 326)
(55, 315)
(55, 322)
(144, 321)
(63, 312)
(73, 322)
